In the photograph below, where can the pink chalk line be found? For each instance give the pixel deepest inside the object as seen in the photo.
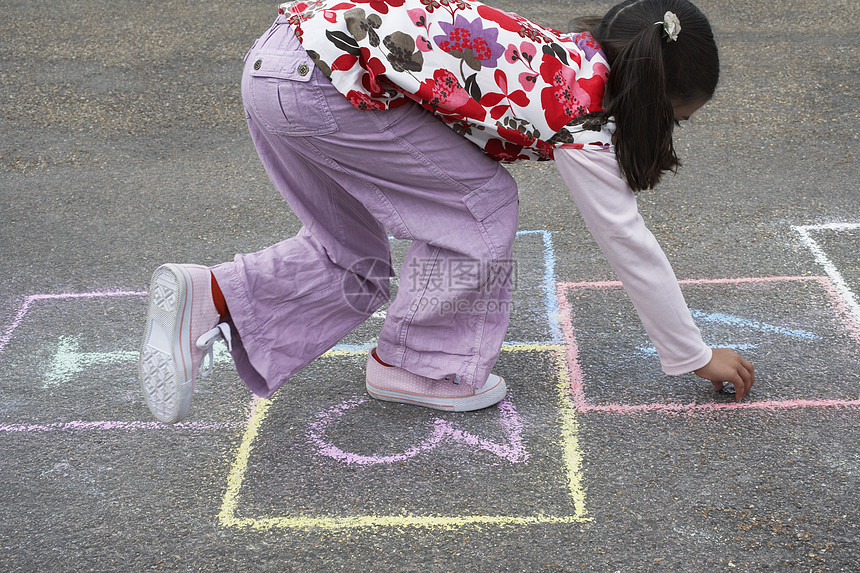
(131, 425)
(28, 301)
(117, 425)
(577, 377)
(695, 407)
(440, 430)
(734, 280)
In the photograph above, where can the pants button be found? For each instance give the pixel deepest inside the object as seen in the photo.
(257, 64)
(303, 69)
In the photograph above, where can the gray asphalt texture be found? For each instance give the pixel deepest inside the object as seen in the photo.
(123, 146)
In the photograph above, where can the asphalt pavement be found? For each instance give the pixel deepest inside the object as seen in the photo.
(123, 146)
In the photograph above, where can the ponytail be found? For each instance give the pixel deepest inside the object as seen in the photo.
(647, 75)
(643, 113)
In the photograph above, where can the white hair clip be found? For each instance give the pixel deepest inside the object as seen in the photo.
(671, 25)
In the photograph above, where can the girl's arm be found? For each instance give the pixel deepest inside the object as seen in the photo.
(609, 209)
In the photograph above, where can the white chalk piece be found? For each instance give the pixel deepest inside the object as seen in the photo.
(728, 388)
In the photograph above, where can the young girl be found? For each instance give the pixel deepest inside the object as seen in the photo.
(344, 100)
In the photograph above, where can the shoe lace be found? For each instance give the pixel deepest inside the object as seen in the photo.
(206, 343)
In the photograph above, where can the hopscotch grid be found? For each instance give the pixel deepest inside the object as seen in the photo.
(577, 380)
(572, 399)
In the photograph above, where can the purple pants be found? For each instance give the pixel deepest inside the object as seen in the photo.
(352, 177)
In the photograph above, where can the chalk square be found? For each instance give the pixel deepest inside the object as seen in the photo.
(796, 330)
(70, 360)
(361, 463)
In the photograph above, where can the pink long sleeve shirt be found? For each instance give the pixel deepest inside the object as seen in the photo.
(609, 209)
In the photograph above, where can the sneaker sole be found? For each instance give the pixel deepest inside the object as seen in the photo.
(486, 398)
(164, 367)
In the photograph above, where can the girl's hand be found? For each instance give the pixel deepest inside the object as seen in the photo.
(726, 365)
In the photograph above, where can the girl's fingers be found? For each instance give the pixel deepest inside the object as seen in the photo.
(749, 368)
(740, 389)
(746, 373)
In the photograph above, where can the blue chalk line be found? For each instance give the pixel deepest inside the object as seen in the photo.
(744, 322)
(650, 351)
(550, 298)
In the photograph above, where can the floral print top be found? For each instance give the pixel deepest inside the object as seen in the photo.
(516, 89)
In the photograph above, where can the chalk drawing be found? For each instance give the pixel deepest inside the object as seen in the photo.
(439, 430)
(79, 425)
(651, 352)
(847, 301)
(68, 360)
(569, 449)
(730, 320)
(29, 300)
(571, 402)
(845, 318)
(720, 318)
(550, 294)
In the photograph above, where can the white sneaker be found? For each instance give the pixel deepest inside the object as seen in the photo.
(181, 325)
(394, 384)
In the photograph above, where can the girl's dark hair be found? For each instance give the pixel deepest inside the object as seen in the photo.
(647, 75)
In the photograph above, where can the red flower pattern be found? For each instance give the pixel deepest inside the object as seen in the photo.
(504, 150)
(513, 23)
(567, 96)
(363, 101)
(444, 91)
(493, 100)
(381, 6)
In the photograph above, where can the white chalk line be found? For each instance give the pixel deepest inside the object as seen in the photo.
(842, 289)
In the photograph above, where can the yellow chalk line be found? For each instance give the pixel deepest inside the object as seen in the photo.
(395, 521)
(227, 517)
(571, 452)
(571, 455)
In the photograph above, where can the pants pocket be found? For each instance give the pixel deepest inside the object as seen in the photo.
(499, 191)
(282, 89)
